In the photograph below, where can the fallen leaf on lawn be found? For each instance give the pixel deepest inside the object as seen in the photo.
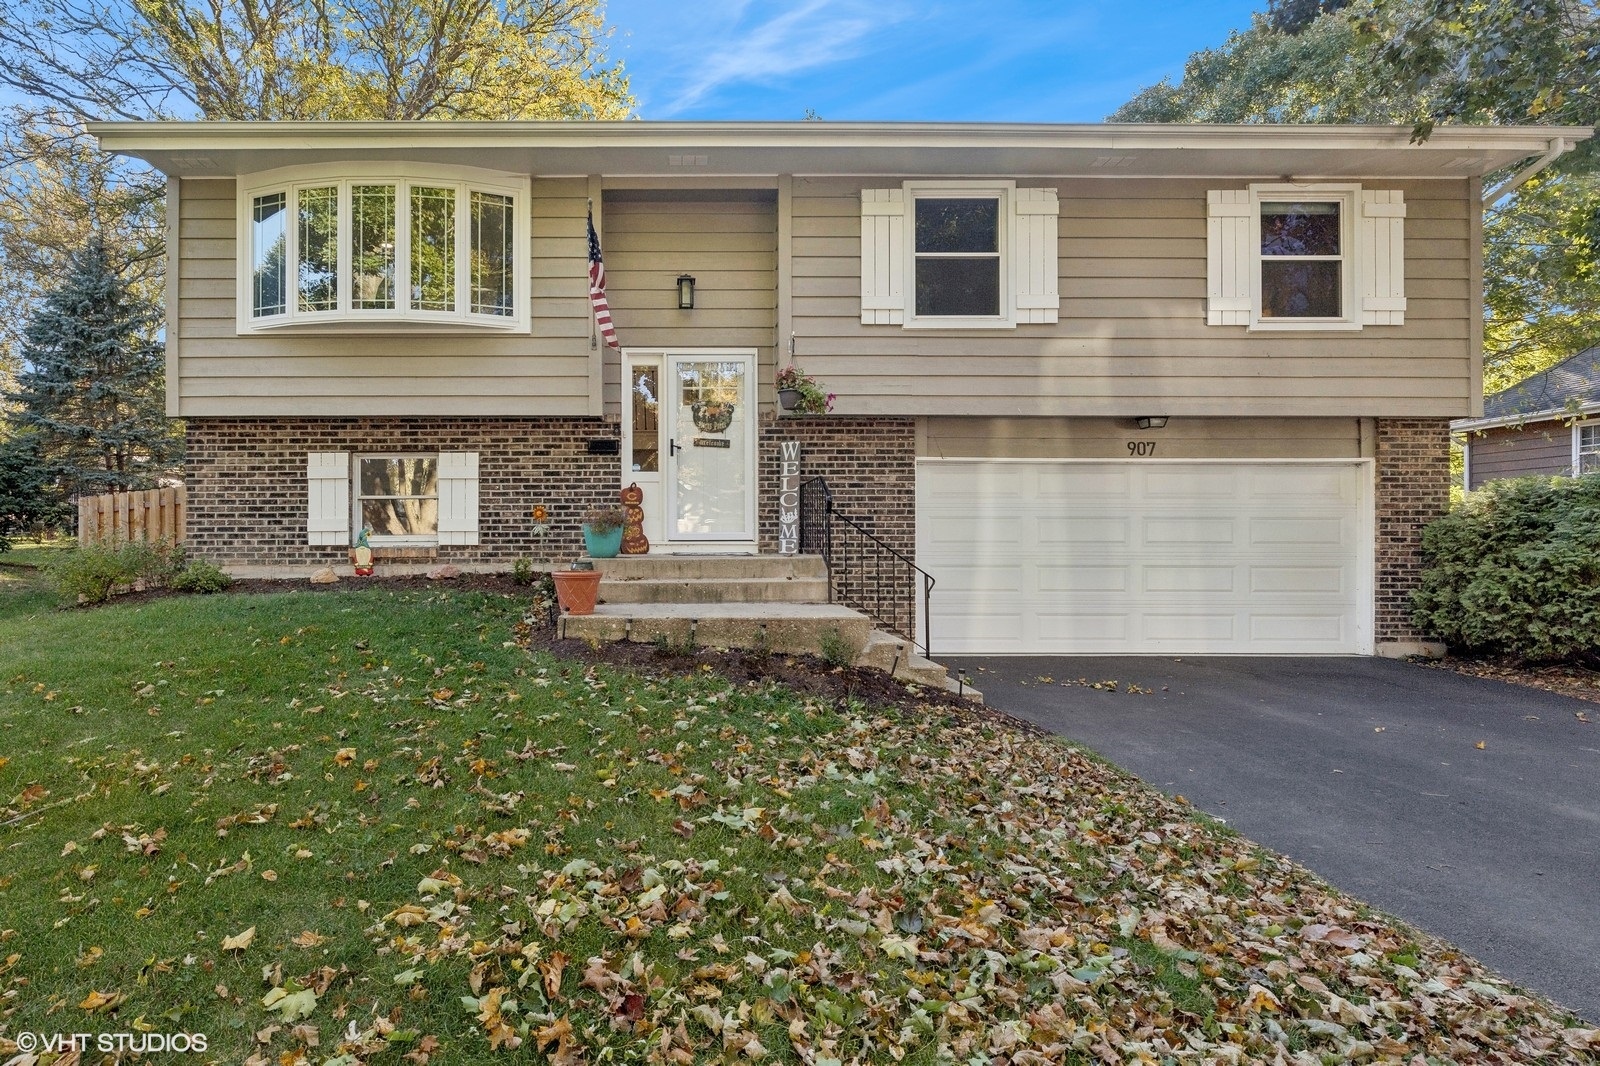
(308, 939)
(291, 1006)
(96, 1000)
(239, 941)
(552, 969)
(1258, 998)
(344, 756)
(568, 1052)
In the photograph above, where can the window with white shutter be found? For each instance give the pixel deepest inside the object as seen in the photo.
(328, 498)
(959, 255)
(1305, 257)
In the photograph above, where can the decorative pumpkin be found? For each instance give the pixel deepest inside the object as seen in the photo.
(634, 542)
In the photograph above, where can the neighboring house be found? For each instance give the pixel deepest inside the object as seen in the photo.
(1546, 424)
(1118, 388)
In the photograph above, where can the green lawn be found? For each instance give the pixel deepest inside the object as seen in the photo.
(369, 827)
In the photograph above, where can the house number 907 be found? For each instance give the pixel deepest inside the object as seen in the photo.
(1141, 447)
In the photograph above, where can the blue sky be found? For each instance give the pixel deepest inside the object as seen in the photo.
(950, 60)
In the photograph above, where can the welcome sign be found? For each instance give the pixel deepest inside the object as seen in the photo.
(788, 497)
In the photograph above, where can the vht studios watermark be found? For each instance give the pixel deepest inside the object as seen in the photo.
(125, 1043)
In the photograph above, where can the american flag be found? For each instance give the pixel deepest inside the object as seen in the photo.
(597, 289)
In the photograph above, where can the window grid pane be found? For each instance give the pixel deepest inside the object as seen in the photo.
(958, 287)
(433, 248)
(398, 496)
(1300, 229)
(492, 255)
(965, 225)
(1301, 288)
(269, 239)
(372, 243)
(318, 267)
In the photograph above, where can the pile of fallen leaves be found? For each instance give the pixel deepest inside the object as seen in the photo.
(565, 863)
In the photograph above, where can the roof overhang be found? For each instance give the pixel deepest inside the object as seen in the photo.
(753, 149)
(1525, 418)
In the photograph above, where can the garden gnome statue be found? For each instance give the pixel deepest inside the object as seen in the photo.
(361, 554)
(634, 542)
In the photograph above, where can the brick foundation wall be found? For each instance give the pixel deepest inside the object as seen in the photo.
(870, 464)
(1413, 488)
(246, 482)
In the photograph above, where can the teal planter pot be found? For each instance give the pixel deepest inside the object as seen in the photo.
(603, 545)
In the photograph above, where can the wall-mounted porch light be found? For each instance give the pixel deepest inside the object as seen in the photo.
(685, 292)
(1152, 421)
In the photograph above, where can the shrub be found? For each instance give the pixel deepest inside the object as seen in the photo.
(202, 576)
(522, 572)
(94, 573)
(1516, 571)
(88, 574)
(835, 649)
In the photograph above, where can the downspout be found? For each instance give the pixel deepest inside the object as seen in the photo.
(1558, 146)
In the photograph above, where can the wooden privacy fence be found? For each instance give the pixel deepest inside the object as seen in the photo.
(155, 514)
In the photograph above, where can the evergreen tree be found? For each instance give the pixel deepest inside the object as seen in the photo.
(24, 492)
(90, 392)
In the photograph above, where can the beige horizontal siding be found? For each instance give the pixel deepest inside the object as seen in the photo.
(1511, 451)
(400, 369)
(1108, 438)
(730, 247)
(1132, 336)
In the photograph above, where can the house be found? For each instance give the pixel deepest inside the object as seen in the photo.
(1546, 424)
(1117, 388)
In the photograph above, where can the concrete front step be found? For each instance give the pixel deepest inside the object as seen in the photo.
(786, 628)
(714, 590)
(898, 657)
(723, 567)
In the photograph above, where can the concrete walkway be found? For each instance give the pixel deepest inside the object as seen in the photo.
(1368, 771)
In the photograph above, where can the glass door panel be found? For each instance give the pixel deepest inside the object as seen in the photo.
(710, 476)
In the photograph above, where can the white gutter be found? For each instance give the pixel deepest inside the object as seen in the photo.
(1558, 147)
(1476, 425)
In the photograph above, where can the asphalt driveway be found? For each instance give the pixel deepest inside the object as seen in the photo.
(1369, 772)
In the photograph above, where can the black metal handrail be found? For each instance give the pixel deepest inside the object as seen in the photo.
(864, 572)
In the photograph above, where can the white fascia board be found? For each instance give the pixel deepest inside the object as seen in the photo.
(1452, 152)
(179, 134)
(1476, 425)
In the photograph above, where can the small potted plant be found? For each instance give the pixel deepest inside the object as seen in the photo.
(800, 393)
(602, 530)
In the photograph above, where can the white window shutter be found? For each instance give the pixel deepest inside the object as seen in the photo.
(458, 497)
(328, 498)
(1230, 228)
(1381, 257)
(1034, 253)
(883, 290)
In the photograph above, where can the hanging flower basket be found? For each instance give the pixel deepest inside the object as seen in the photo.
(712, 416)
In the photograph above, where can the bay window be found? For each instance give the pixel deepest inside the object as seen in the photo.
(419, 244)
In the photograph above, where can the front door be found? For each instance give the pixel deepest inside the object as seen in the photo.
(691, 416)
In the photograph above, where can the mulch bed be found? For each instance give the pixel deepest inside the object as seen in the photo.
(1579, 682)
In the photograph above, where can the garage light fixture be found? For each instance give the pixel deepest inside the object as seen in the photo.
(1152, 421)
(685, 292)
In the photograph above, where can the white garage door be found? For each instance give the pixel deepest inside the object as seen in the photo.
(1169, 557)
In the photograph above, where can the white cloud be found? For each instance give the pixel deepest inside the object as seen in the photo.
(735, 42)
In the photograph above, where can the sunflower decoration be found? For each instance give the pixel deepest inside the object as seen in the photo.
(541, 522)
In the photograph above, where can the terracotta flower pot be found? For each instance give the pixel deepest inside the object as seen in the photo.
(576, 590)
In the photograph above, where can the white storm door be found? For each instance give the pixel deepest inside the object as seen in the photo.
(709, 454)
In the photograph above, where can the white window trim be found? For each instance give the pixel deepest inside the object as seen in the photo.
(380, 540)
(1005, 193)
(1577, 445)
(1348, 196)
(465, 181)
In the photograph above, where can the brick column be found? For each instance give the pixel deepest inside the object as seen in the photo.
(1413, 488)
